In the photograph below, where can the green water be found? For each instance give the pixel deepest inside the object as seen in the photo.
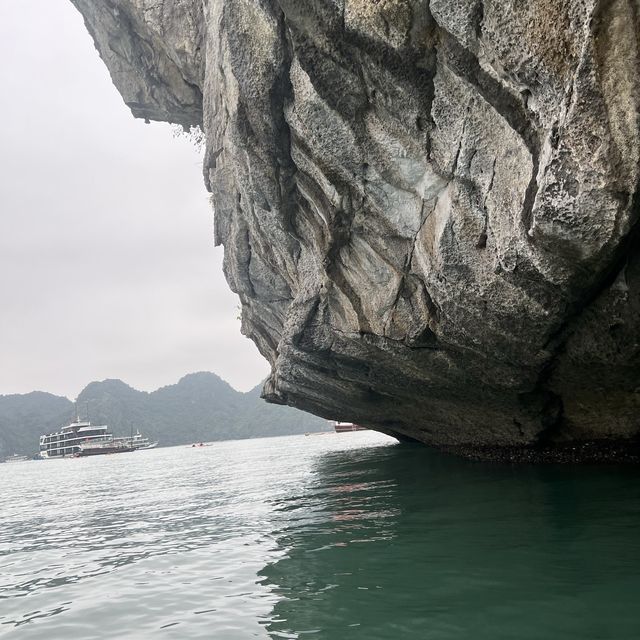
(323, 537)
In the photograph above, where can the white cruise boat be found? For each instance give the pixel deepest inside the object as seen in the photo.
(137, 441)
(68, 441)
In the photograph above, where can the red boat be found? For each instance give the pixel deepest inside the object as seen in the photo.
(343, 427)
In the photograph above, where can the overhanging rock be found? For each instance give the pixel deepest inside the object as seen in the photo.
(429, 209)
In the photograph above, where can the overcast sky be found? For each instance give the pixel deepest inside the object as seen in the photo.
(107, 264)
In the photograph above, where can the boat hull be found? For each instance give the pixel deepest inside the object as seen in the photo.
(102, 451)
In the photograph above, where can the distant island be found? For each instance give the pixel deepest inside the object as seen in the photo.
(200, 407)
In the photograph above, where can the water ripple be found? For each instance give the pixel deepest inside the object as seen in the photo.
(331, 538)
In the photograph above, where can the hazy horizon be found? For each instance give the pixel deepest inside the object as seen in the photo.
(133, 386)
(107, 264)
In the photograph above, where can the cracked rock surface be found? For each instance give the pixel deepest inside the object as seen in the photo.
(429, 209)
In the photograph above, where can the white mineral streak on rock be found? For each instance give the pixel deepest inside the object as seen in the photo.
(429, 209)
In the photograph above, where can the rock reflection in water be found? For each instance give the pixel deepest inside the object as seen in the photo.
(400, 542)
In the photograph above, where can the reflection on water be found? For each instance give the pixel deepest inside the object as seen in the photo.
(404, 543)
(332, 537)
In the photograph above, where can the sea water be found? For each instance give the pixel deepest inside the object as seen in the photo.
(334, 537)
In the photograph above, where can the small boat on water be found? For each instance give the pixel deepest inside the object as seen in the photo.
(137, 441)
(343, 427)
(16, 458)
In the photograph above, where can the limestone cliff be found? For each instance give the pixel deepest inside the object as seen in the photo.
(429, 209)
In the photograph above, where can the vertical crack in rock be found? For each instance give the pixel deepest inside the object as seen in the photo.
(512, 109)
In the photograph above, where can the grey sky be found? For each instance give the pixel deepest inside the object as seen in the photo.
(107, 265)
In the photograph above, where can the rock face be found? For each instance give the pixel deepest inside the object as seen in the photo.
(429, 209)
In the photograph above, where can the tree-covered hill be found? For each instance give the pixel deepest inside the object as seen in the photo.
(24, 418)
(200, 407)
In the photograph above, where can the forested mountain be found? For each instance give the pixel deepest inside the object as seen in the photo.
(23, 418)
(200, 407)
